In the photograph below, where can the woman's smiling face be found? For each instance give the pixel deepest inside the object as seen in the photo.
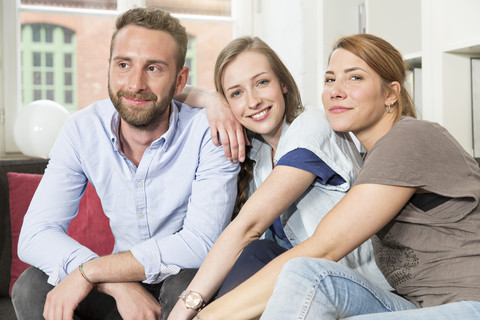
(255, 95)
(353, 97)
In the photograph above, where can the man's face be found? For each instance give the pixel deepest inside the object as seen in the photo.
(142, 75)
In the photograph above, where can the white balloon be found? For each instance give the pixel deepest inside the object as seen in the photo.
(37, 127)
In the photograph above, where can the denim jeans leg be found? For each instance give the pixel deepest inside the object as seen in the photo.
(465, 310)
(29, 293)
(172, 287)
(310, 288)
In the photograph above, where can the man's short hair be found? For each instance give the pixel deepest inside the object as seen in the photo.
(155, 19)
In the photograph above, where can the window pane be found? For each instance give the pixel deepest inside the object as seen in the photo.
(68, 79)
(37, 94)
(37, 59)
(99, 4)
(67, 58)
(49, 78)
(68, 96)
(36, 33)
(48, 33)
(50, 95)
(67, 36)
(49, 59)
(207, 8)
(37, 77)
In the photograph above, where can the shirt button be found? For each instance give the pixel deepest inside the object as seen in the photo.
(139, 184)
(141, 216)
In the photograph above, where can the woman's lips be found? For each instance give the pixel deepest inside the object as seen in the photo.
(338, 109)
(259, 116)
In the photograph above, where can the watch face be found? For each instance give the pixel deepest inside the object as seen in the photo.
(193, 300)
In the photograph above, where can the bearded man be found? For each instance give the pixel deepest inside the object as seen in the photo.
(167, 190)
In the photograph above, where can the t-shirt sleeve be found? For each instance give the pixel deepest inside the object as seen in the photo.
(307, 160)
(312, 131)
(422, 154)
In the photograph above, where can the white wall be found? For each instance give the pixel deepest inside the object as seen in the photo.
(291, 29)
(441, 35)
(10, 32)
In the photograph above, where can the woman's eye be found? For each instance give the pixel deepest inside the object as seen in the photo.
(329, 80)
(355, 78)
(263, 82)
(235, 94)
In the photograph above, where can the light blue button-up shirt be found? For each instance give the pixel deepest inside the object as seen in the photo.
(167, 212)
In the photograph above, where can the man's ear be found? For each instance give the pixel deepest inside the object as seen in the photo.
(182, 78)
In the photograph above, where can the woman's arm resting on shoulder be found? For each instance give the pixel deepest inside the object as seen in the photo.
(283, 186)
(225, 129)
(361, 213)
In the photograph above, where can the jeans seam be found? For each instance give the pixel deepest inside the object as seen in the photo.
(359, 282)
(309, 298)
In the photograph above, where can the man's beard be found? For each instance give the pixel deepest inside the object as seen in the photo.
(141, 117)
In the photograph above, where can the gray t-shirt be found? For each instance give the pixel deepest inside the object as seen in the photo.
(430, 257)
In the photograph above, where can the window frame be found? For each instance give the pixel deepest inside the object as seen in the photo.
(10, 73)
(58, 50)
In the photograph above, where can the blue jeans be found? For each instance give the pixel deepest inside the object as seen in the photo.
(310, 288)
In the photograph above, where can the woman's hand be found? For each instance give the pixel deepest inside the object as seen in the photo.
(225, 129)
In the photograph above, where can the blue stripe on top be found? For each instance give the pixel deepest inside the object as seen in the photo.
(306, 160)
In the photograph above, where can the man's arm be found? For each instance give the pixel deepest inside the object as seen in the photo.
(120, 273)
(209, 210)
(43, 240)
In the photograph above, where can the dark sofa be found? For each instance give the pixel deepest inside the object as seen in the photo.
(18, 165)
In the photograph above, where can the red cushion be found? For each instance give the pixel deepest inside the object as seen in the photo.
(90, 227)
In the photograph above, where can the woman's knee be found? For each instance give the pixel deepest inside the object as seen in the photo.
(308, 266)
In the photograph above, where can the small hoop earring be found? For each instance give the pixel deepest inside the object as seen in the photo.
(388, 108)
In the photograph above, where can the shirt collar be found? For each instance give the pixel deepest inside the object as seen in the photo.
(259, 144)
(164, 141)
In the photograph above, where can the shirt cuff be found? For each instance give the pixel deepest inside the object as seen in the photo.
(61, 271)
(149, 256)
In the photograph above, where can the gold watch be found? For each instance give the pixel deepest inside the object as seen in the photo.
(193, 300)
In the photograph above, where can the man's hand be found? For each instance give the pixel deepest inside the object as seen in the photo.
(62, 301)
(133, 301)
(223, 125)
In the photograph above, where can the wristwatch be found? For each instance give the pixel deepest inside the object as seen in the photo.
(193, 300)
